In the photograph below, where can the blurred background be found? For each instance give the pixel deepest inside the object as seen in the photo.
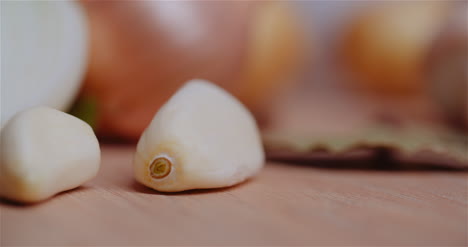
(299, 66)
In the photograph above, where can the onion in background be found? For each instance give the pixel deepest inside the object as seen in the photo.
(385, 47)
(142, 51)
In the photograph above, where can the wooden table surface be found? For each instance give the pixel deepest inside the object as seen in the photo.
(286, 204)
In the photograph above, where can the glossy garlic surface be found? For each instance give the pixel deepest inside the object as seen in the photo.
(202, 138)
(44, 151)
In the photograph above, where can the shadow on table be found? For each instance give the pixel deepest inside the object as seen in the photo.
(381, 160)
(135, 186)
(57, 197)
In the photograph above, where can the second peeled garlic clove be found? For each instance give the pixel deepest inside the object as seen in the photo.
(43, 152)
(201, 138)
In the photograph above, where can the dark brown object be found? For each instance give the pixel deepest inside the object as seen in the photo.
(395, 146)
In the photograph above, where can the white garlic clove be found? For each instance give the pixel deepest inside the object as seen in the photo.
(201, 138)
(43, 152)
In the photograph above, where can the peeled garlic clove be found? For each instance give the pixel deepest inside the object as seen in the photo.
(201, 138)
(44, 152)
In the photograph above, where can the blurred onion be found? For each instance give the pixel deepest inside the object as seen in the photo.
(142, 51)
(385, 47)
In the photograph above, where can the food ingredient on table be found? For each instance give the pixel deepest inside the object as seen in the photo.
(201, 138)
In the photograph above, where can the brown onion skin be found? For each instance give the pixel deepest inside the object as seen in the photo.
(385, 46)
(141, 53)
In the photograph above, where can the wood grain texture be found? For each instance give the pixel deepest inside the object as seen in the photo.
(285, 204)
